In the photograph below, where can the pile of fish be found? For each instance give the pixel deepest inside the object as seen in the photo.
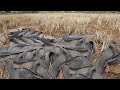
(32, 55)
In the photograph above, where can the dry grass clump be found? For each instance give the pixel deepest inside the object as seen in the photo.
(3, 73)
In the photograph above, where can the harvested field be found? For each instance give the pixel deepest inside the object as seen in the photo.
(101, 28)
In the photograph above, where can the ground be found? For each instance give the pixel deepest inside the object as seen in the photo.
(101, 27)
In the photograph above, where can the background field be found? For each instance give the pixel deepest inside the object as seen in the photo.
(99, 26)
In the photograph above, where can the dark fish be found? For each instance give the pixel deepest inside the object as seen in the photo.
(90, 57)
(66, 71)
(18, 58)
(17, 50)
(14, 34)
(22, 45)
(16, 47)
(15, 40)
(97, 76)
(9, 66)
(23, 73)
(80, 76)
(40, 52)
(115, 61)
(53, 71)
(22, 33)
(4, 53)
(45, 41)
(82, 41)
(105, 57)
(37, 33)
(36, 65)
(80, 49)
(71, 38)
(36, 41)
(90, 72)
(92, 46)
(79, 65)
(27, 55)
(50, 57)
(43, 72)
(79, 62)
(30, 33)
(24, 57)
(26, 40)
(39, 67)
(83, 71)
(57, 50)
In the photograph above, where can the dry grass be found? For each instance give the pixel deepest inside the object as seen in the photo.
(101, 27)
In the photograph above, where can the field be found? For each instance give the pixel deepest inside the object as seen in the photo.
(101, 27)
